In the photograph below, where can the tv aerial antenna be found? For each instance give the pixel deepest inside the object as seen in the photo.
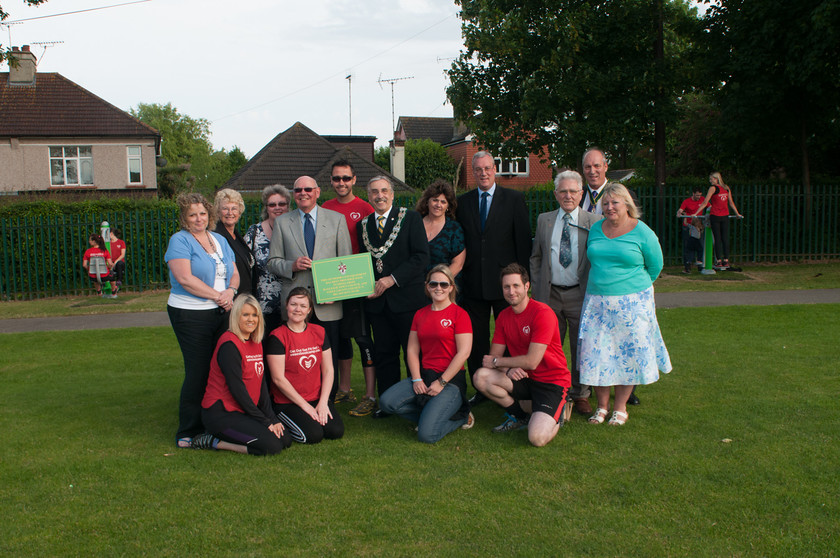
(349, 79)
(45, 45)
(380, 81)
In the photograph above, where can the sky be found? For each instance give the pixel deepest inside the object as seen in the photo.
(252, 68)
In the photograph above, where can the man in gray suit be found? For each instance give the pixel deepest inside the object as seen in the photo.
(560, 268)
(309, 233)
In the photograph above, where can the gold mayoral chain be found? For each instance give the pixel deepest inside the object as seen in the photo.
(379, 253)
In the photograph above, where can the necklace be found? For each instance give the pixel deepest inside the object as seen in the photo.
(212, 249)
(379, 252)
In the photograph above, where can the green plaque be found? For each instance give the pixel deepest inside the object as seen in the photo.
(342, 278)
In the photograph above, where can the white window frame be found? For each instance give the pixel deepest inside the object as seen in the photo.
(517, 166)
(132, 157)
(68, 160)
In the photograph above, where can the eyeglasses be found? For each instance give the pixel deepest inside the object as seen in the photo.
(342, 178)
(441, 284)
(568, 192)
(278, 204)
(307, 189)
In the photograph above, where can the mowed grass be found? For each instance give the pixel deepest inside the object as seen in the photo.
(735, 453)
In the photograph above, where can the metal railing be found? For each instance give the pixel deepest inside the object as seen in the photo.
(42, 256)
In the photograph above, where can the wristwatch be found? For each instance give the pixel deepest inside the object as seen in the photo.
(442, 382)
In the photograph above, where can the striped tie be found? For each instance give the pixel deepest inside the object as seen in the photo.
(380, 223)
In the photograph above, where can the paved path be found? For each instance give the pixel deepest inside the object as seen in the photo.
(663, 300)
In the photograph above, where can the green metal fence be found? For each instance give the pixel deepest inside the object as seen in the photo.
(42, 256)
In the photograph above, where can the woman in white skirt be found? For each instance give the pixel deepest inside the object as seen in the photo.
(620, 343)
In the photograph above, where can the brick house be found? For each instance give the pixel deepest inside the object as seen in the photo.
(520, 173)
(56, 136)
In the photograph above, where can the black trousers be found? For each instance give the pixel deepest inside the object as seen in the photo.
(331, 330)
(239, 428)
(479, 311)
(303, 429)
(197, 332)
(390, 333)
(720, 230)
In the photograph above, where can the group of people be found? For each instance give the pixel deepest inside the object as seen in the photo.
(261, 354)
(719, 200)
(114, 261)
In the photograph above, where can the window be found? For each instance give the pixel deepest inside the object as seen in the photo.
(135, 165)
(71, 165)
(516, 167)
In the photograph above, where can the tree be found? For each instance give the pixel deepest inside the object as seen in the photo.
(777, 63)
(4, 52)
(425, 162)
(191, 161)
(566, 74)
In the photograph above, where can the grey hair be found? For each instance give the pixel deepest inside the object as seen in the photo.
(269, 191)
(590, 150)
(568, 175)
(481, 154)
(379, 177)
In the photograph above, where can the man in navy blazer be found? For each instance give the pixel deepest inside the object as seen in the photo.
(400, 254)
(494, 239)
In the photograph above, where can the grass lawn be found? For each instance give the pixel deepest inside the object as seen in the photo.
(735, 453)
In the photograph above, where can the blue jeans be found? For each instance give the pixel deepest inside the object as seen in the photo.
(433, 418)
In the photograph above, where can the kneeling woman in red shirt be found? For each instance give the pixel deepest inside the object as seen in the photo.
(435, 395)
(236, 409)
(300, 360)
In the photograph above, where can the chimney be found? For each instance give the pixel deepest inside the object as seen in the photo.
(22, 66)
(398, 158)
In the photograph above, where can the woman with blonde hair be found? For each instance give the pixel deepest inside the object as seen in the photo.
(236, 409)
(719, 199)
(620, 342)
(229, 207)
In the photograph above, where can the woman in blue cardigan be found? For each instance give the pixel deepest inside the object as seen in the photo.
(204, 281)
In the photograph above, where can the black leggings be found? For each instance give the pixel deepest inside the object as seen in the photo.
(239, 428)
(303, 429)
(720, 230)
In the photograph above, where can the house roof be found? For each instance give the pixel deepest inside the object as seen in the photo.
(441, 130)
(296, 152)
(55, 106)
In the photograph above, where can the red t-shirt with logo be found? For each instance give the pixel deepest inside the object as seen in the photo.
(91, 252)
(436, 332)
(690, 207)
(353, 212)
(304, 353)
(720, 202)
(252, 374)
(536, 324)
(117, 248)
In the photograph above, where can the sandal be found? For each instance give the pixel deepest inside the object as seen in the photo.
(618, 418)
(205, 441)
(184, 443)
(599, 416)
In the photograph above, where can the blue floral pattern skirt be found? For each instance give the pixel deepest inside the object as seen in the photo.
(620, 342)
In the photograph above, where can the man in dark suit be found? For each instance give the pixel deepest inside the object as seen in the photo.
(396, 240)
(560, 268)
(497, 232)
(301, 236)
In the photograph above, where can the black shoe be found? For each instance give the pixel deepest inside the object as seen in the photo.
(380, 414)
(477, 398)
(633, 400)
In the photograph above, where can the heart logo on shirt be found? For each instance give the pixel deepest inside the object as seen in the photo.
(259, 367)
(307, 362)
(526, 330)
(445, 322)
(355, 215)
